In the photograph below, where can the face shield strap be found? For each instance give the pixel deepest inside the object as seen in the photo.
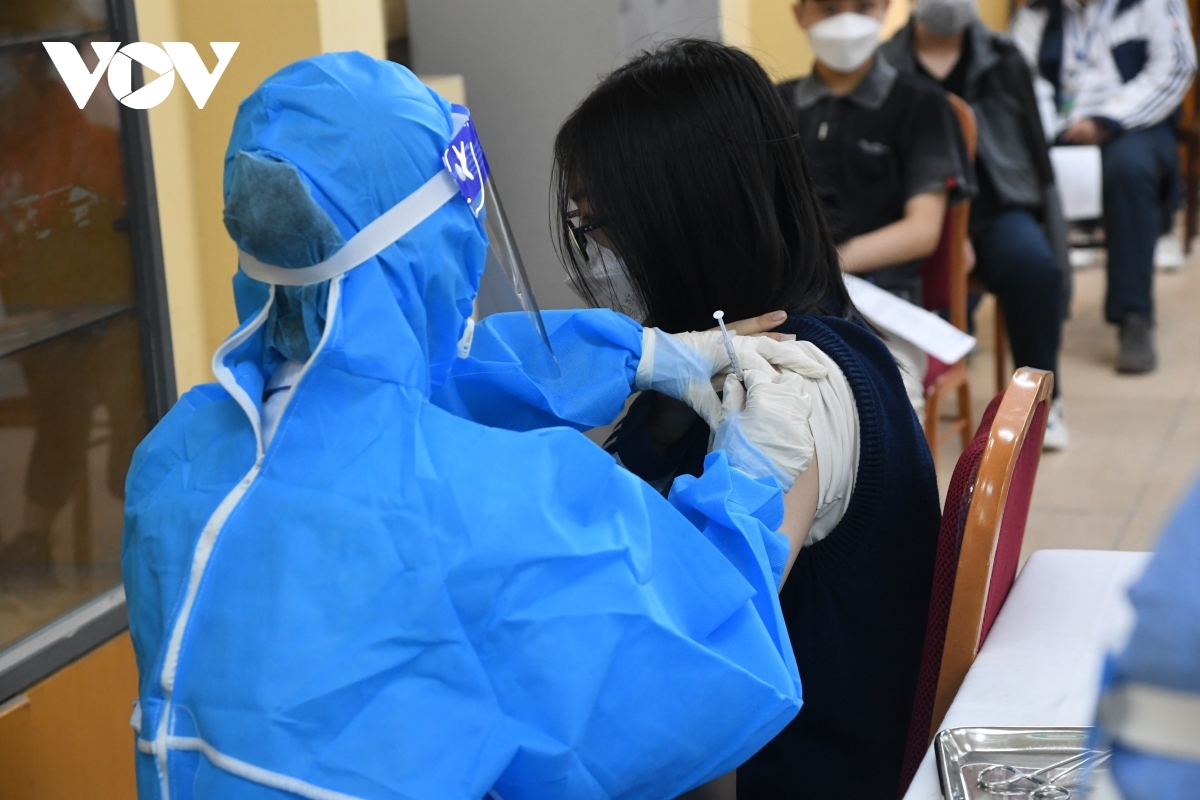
(503, 285)
(372, 240)
(466, 171)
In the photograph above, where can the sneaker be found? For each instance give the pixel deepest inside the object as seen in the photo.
(1168, 253)
(1084, 257)
(1137, 354)
(1057, 437)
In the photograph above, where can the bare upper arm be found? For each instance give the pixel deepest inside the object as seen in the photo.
(799, 511)
(926, 213)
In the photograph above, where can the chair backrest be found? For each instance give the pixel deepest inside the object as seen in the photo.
(995, 526)
(1009, 437)
(966, 122)
(954, 520)
(1188, 109)
(944, 272)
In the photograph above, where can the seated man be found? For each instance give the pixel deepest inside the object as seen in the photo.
(885, 153)
(1016, 222)
(1115, 74)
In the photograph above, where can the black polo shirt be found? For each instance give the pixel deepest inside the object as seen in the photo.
(890, 139)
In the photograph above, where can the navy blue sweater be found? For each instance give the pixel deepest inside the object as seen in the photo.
(855, 602)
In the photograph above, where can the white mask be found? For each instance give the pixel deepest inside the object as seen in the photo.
(611, 282)
(844, 42)
(945, 17)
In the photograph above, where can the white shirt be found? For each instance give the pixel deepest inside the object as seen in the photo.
(833, 426)
(1090, 76)
(275, 397)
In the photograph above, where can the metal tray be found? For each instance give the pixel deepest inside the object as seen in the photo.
(962, 753)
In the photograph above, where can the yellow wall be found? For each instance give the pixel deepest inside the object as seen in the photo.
(189, 143)
(994, 13)
(777, 42)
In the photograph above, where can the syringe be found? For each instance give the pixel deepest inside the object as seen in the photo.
(719, 316)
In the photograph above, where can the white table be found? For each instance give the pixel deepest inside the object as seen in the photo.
(1041, 662)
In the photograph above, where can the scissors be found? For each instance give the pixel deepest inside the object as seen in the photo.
(719, 316)
(1045, 789)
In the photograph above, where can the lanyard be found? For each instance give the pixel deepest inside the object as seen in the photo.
(1085, 35)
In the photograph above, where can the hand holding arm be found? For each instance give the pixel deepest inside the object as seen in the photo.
(766, 433)
(765, 429)
(683, 365)
(762, 325)
(671, 419)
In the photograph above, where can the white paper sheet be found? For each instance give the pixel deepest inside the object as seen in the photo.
(923, 328)
(1078, 172)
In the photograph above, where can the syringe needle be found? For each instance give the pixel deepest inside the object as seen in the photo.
(719, 316)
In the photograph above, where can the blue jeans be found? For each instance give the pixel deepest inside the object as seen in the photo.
(1014, 260)
(1141, 169)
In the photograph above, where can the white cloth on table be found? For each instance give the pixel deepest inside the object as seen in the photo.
(1041, 663)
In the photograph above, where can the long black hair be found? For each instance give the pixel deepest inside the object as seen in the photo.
(690, 161)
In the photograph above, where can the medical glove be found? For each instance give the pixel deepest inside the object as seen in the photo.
(765, 427)
(683, 365)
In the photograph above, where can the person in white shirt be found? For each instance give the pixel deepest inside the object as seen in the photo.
(1113, 73)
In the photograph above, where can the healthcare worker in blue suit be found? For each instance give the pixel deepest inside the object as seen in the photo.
(377, 559)
(1150, 708)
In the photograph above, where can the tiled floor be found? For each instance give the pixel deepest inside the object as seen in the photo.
(1135, 440)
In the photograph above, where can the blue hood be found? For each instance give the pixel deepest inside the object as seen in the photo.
(362, 135)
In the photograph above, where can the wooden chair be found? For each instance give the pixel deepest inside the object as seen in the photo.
(1189, 149)
(1000, 343)
(983, 526)
(944, 275)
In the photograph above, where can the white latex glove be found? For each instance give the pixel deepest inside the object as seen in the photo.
(682, 365)
(765, 429)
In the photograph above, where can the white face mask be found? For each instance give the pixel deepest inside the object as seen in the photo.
(945, 17)
(614, 289)
(844, 42)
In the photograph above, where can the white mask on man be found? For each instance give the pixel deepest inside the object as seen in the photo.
(844, 42)
(945, 17)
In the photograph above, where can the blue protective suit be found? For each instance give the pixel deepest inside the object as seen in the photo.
(403, 598)
(1163, 653)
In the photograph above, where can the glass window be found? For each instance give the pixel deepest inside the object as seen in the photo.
(73, 400)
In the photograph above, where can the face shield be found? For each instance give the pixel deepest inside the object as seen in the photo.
(504, 288)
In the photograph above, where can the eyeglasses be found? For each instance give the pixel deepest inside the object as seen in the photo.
(579, 232)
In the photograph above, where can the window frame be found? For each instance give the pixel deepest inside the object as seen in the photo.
(44, 651)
